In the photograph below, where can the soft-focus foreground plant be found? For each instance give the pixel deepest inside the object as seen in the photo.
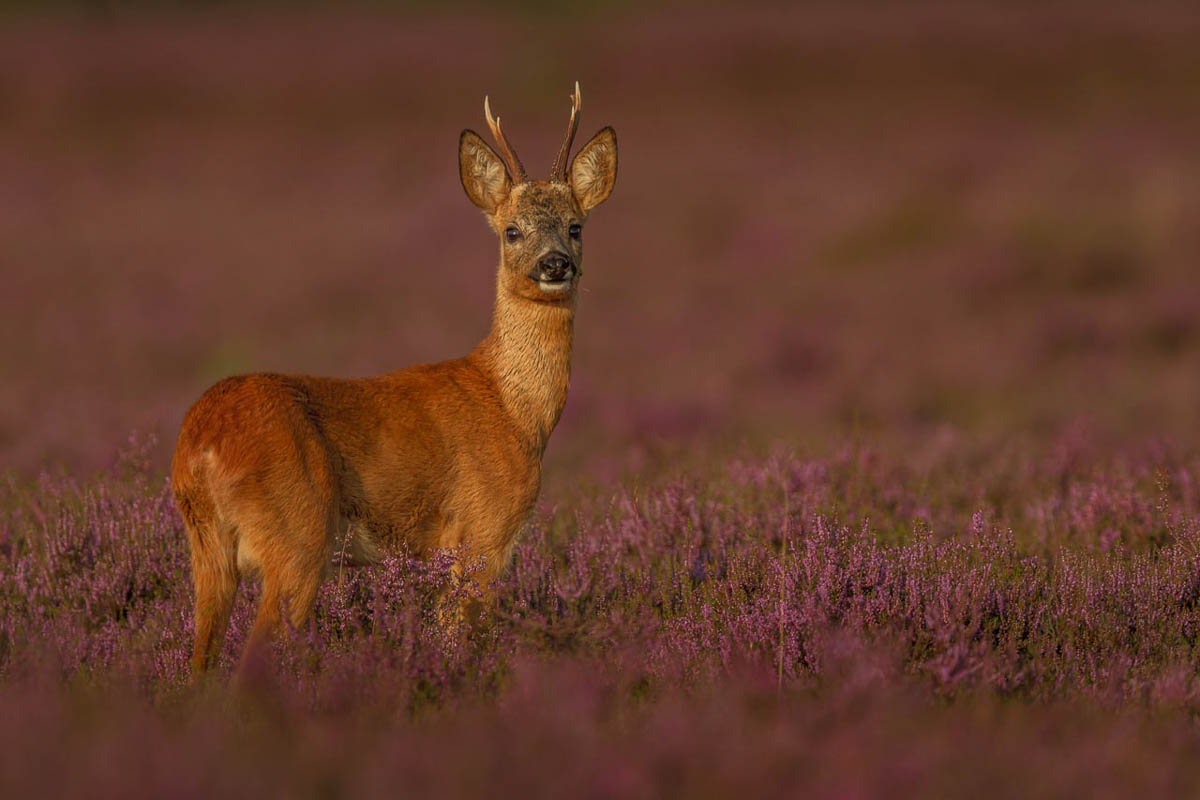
(936, 609)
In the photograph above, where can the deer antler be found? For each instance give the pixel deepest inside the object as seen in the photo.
(559, 171)
(515, 168)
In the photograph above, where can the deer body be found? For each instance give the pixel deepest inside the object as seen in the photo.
(279, 476)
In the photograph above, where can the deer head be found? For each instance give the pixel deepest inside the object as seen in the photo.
(540, 223)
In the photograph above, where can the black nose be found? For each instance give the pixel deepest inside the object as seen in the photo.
(556, 266)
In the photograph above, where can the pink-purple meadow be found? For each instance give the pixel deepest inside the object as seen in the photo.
(836, 623)
(879, 472)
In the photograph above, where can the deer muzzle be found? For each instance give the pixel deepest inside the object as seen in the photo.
(554, 268)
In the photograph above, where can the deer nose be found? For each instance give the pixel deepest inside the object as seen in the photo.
(555, 266)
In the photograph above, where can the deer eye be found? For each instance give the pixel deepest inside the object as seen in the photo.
(574, 231)
(511, 234)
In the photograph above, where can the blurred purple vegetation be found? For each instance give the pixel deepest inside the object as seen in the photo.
(879, 471)
(638, 634)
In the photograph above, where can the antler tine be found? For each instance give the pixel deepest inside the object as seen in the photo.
(559, 171)
(515, 168)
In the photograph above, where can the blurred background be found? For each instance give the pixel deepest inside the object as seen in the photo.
(832, 221)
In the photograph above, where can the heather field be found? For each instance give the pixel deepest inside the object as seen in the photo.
(880, 471)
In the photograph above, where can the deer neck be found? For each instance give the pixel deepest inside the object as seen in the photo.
(528, 353)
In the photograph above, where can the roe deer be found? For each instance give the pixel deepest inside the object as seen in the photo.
(276, 474)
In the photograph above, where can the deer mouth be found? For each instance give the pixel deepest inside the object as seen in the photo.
(555, 286)
(556, 278)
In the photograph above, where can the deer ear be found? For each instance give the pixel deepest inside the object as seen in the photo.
(483, 175)
(593, 171)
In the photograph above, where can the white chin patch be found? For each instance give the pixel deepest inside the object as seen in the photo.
(554, 288)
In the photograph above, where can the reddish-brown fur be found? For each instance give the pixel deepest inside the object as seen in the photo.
(278, 475)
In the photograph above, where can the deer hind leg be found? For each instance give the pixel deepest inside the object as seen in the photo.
(291, 590)
(214, 572)
(292, 560)
(215, 579)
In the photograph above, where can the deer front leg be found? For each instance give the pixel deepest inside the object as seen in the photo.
(473, 574)
(487, 565)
